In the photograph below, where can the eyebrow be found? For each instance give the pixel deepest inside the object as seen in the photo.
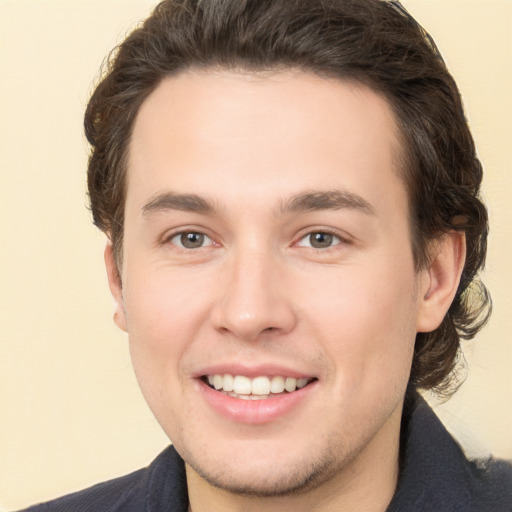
(303, 202)
(184, 202)
(326, 200)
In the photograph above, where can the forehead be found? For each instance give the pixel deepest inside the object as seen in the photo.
(248, 135)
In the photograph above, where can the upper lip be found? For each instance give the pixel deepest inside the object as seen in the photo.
(252, 371)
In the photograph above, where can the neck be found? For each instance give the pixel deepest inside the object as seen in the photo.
(366, 484)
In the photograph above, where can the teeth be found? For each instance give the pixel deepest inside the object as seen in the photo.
(260, 386)
(290, 384)
(277, 385)
(218, 381)
(243, 387)
(229, 383)
(301, 383)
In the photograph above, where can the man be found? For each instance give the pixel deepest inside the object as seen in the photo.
(291, 197)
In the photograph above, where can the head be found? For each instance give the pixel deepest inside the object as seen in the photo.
(353, 84)
(371, 42)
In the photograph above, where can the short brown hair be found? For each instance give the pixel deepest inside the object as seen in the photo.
(374, 42)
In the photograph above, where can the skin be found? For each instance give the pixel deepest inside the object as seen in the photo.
(257, 294)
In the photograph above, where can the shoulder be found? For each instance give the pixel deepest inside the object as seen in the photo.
(130, 493)
(436, 475)
(490, 482)
(103, 497)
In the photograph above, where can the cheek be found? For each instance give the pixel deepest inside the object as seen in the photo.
(164, 314)
(159, 303)
(367, 321)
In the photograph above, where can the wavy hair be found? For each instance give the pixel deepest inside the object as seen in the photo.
(374, 42)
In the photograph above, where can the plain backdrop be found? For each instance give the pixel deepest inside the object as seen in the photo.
(71, 413)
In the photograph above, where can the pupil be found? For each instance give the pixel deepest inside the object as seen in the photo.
(321, 240)
(192, 240)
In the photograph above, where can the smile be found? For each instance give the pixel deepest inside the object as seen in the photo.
(256, 398)
(259, 388)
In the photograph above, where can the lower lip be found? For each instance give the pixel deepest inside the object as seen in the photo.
(255, 411)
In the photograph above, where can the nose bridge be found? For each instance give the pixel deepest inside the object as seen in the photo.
(253, 298)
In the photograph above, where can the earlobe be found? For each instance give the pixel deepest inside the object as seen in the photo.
(114, 282)
(441, 281)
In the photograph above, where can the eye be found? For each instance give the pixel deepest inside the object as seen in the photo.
(319, 240)
(191, 240)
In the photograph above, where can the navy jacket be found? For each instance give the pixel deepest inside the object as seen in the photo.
(435, 476)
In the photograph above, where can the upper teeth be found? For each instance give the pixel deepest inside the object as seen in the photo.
(242, 385)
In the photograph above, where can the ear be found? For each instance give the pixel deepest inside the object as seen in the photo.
(441, 280)
(116, 289)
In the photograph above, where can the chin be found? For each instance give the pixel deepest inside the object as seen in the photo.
(287, 476)
(289, 482)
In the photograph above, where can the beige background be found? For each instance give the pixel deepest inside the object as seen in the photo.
(70, 410)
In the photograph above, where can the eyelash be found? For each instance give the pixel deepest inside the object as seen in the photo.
(168, 239)
(340, 240)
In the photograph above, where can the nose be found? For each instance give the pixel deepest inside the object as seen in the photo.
(254, 298)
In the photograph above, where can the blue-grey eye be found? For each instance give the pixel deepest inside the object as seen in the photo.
(191, 240)
(319, 240)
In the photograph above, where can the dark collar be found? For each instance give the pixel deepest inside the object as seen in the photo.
(436, 475)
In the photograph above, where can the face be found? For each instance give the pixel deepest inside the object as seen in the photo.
(268, 284)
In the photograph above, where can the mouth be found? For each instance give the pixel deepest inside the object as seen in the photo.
(258, 388)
